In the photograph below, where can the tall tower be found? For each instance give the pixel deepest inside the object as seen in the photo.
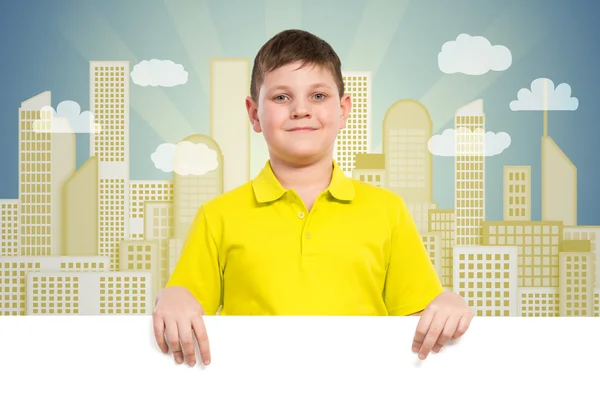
(517, 193)
(355, 138)
(559, 184)
(109, 89)
(469, 166)
(46, 162)
(229, 123)
(407, 128)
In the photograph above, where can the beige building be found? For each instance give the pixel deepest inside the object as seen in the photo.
(175, 248)
(559, 184)
(596, 301)
(433, 244)
(442, 221)
(229, 123)
(80, 293)
(109, 103)
(191, 191)
(469, 166)
(591, 234)
(9, 230)
(486, 277)
(370, 168)
(14, 271)
(139, 193)
(576, 284)
(420, 214)
(355, 138)
(81, 210)
(538, 244)
(158, 227)
(517, 193)
(539, 302)
(407, 128)
(141, 256)
(46, 161)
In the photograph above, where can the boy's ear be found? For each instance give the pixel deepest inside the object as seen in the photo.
(345, 107)
(252, 109)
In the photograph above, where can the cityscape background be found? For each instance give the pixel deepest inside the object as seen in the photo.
(452, 121)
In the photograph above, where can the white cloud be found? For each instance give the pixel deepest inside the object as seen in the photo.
(159, 73)
(80, 122)
(443, 144)
(473, 55)
(185, 158)
(544, 96)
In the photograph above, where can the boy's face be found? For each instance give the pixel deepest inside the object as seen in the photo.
(291, 99)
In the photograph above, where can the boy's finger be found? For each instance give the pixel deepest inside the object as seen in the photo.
(422, 328)
(187, 342)
(173, 341)
(202, 338)
(435, 329)
(159, 334)
(463, 325)
(447, 333)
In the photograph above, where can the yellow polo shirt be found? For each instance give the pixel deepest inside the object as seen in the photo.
(256, 250)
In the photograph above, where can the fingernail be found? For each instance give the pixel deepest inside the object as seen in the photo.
(191, 363)
(206, 362)
(421, 356)
(415, 349)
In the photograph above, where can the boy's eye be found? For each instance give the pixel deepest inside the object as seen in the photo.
(321, 94)
(280, 97)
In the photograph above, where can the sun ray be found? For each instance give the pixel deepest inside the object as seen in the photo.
(281, 15)
(374, 33)
(519, 31)
(197, 31)
(102, 41)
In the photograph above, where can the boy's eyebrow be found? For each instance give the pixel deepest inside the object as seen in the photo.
(313, 86)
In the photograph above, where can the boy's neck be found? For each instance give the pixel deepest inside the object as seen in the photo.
(310, 177)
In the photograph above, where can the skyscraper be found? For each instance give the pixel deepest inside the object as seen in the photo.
(469, 166)
(109, 89)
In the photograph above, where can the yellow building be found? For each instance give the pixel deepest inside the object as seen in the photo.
(191, 191)
(469, 166)
(229, 124)
(159, 227)
(591, 234)
(14, 272)
(109, 103)
(175, 247)
(486, 277)
(538, 244)
(539, 302)
(407, 128)
(355, 138)
(433, 245)
(141, 256)
(46, 161)
(577, 275)
(370, 168)
(517, 193)
(442, 221)
(420, 214)
(80, 293)
(9, 228)
(81, 210)
(139, 193)
(559, 184)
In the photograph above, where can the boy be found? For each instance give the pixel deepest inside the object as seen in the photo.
(301, 238)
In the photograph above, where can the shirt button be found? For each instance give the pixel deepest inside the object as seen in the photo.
(308, 235)
(300, 215)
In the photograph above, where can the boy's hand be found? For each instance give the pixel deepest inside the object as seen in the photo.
(179, 312)
(446, 317)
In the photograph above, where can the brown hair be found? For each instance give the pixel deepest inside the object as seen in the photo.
(290, 46)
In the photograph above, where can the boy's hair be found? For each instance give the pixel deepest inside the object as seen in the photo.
(290, 46)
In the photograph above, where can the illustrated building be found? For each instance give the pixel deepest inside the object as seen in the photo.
(486, 277)
(46, 161)
(9, 227)
(109, 103)
(370, 168)
(442, 221)
(559, 184)
(141, 192)
(469, 166)
(355, 138)
(517, 193)
(229, 124)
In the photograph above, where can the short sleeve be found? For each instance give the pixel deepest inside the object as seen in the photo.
(411, 280)
(198, 267)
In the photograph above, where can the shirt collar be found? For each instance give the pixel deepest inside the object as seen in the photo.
(267, 188)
